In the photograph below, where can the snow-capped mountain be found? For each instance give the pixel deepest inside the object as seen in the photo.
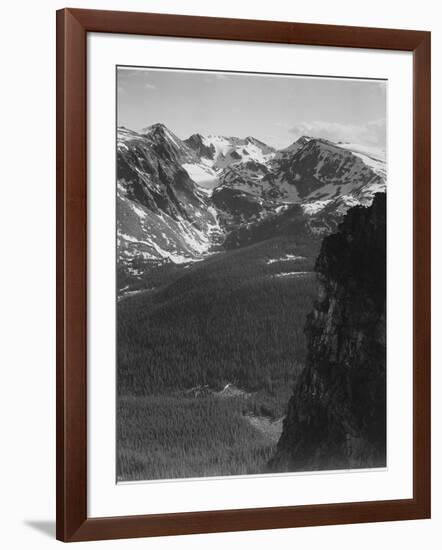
(371, 156)
(161, 212)
(321, 169)
(178, 200)
(311, 171)
(293, 147)
(219, 152)
(359, 185)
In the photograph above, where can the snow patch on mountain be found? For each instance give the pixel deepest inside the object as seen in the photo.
(312, 208)
(367, 150)
(231, 150)
(292, 274)
(202, 175)
(374, 157)
(286, 258)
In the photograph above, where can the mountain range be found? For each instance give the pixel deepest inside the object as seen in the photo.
(180, 201)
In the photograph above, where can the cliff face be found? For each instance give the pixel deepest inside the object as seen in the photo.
(337, 414)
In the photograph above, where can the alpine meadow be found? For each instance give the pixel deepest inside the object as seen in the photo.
(251, 274)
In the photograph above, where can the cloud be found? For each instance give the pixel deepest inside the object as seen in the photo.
(150, 86)
(371, 133)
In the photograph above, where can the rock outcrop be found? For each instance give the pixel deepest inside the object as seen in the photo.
(336, 417)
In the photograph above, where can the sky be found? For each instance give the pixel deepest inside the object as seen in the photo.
(275, 109)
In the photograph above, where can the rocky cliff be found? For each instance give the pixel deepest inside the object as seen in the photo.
(336, 417)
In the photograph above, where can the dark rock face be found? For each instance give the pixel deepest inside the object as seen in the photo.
(196, 142)
(336, 417)
(149, 170)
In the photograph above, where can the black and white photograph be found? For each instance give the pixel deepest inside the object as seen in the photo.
(211, 335)
(251, 273)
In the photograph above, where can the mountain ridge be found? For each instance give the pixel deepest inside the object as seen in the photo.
(178, 200)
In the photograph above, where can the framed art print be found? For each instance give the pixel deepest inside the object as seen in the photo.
(243, 275)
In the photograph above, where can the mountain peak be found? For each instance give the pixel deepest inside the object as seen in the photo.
(254, 141)
(159, 132)
(158, 126)
(195, 138)
(260, 144)
(303, 140)
(297, 144)
(199, 144)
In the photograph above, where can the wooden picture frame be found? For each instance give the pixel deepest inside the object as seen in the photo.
(73, 523)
